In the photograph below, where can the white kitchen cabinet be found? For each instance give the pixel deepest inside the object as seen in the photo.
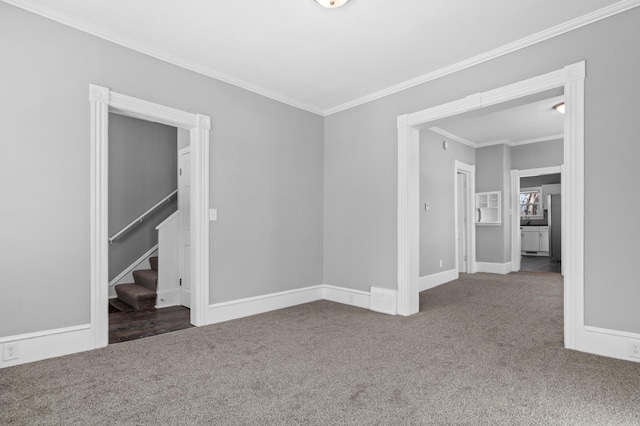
(488, 208)
(530, 239)
(535, 240)
(544, 239)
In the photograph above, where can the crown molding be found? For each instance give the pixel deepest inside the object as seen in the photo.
(453, 137)
(541, 36)
(507, 142)
(39, 9)
(542, 139)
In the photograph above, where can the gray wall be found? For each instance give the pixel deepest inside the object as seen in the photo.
(533, 181)
(142, 171)
(437, 183)
(493, 243)
(266, 173)
(361, 165)
(535, 155)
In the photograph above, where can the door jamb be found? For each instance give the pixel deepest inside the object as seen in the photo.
(516, 243)
(103, 101)
(470, 172)
(571, 78)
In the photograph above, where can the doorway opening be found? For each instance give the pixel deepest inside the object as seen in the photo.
(148, 213)
(571, 80)
(537, 229)
(104, 102)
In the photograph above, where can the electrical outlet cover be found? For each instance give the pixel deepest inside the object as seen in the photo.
(10, 351)
(634, 349)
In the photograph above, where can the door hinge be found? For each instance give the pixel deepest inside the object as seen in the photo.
(180, 172)
(180, 282)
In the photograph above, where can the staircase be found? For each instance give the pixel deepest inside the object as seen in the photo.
(141, 295)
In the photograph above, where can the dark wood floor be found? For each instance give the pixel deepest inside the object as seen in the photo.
(125, 326)
(539, 264)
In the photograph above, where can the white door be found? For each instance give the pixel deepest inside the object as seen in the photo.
(184, 203)
(461, 221)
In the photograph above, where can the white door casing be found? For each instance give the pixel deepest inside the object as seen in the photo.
(571, 79)
(184, 203)
(465, 231)
(461, 236)
(104, 101)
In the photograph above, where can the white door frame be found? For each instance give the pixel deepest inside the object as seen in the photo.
(571, 78)
(470, 172)
(181, 250)
(516, 242)
(103, 101)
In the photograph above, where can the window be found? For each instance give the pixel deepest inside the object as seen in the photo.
(530, 203)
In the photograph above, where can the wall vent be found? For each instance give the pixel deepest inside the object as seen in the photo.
(383, 300)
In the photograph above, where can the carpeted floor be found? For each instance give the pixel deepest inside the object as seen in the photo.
(485, 349)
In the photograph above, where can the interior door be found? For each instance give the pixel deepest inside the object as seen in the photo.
(461, 221)
(184, 206)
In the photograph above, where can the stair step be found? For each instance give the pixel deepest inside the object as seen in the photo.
(139, 297)
(147, 278)
(153, 261)
(117, 305)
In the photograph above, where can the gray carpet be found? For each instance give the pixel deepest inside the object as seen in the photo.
(484, 349)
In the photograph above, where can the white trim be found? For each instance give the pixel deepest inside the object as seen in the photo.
(134, 265)
(516, 242)
(541, 36)
(537, 140)
(606, 12)
(104, 101)
(346, 296)
(507, 142)
(234, 309)
(453, 137)
(153, 52)
(611, 343)
(470, 171)
(430, 281)
(571, 78)
(494, 268)
(516, 234)
(50, 343)
(168, 298)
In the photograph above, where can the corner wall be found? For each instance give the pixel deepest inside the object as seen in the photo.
(266, 174)
(360, 205)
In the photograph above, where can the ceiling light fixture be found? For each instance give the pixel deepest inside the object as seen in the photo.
(332, 3)
(559, 107)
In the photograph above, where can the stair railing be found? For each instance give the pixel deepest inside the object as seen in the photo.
(141, 218)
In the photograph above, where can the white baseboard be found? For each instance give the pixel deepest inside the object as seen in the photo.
(226, 311)
(48, 344)
(434, 280)
(168, 298)
(346, 296)
(610, 343)
(494, 268)
(241, 308)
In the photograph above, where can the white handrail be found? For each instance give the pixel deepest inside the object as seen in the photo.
(140, 218)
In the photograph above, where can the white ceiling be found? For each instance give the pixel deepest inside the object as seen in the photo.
(535, 120)
(324, 60)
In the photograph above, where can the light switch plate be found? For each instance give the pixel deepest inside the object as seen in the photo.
(213, 214)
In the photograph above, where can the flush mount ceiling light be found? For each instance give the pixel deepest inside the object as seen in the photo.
(332, 3)
(559, 107)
